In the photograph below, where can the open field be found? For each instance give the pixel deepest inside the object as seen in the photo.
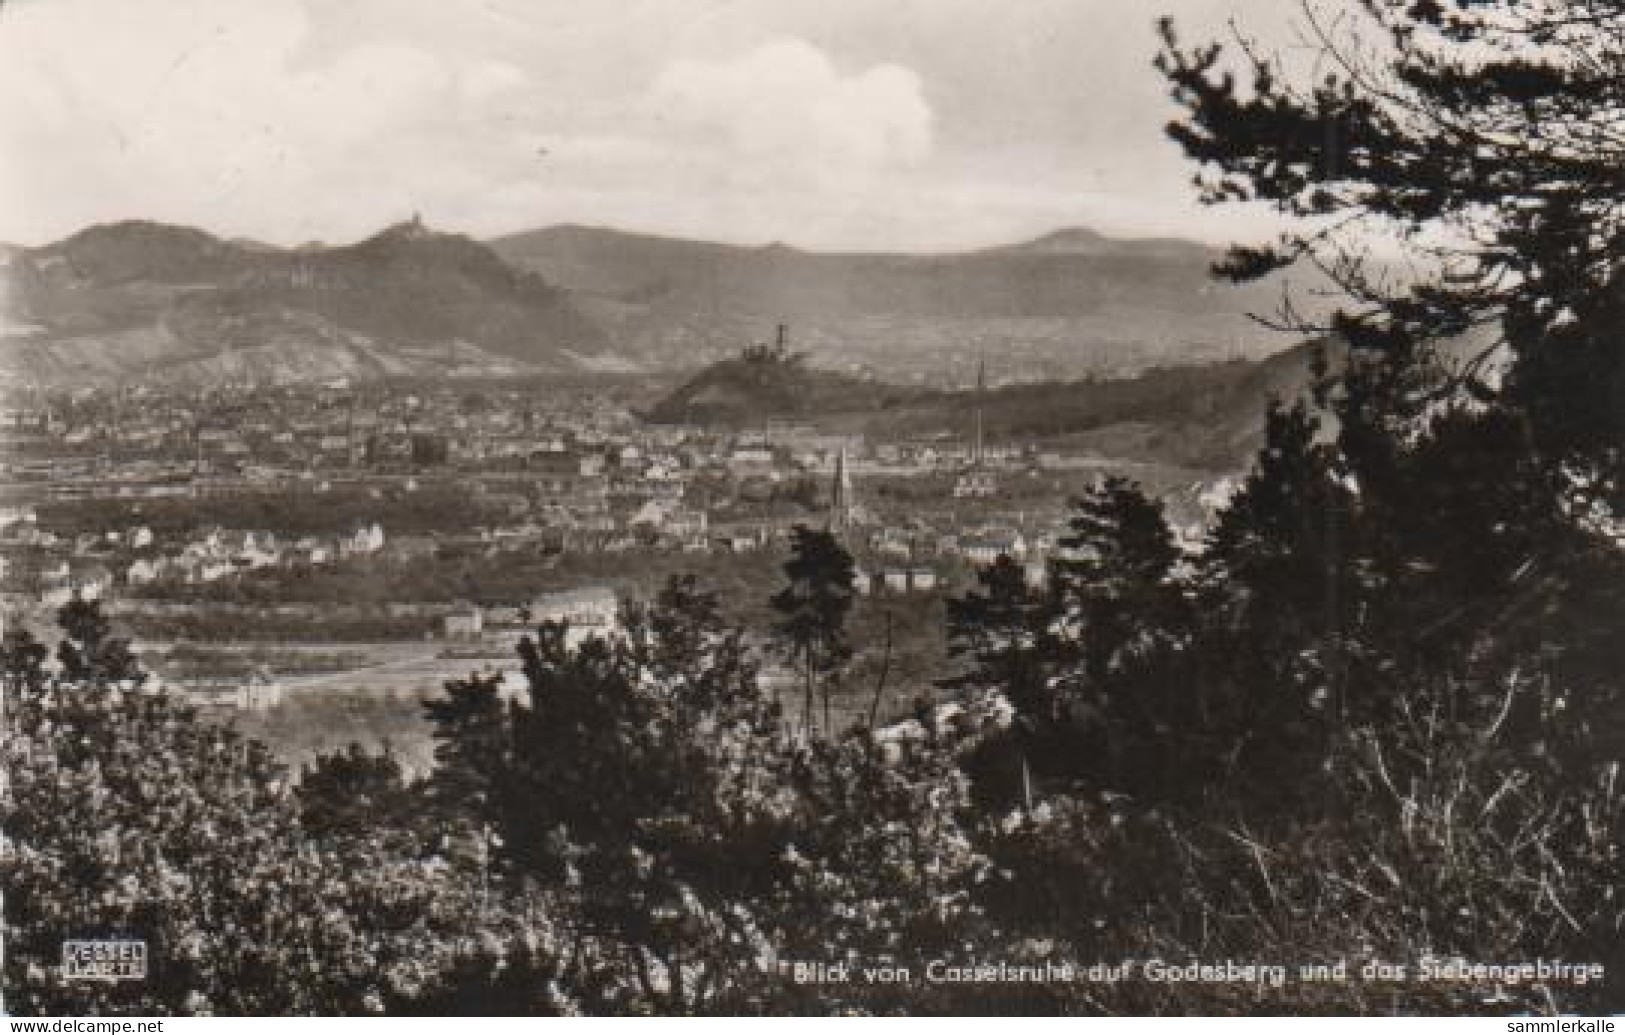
(379, 702)
(375, 701)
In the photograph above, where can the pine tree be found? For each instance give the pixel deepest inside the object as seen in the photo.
(995, 628)
(472, 734)
(813, 607)
(1480, 398)
(89, 652)
(22, 659)
(998, 630)
(357, 793)
(1454, 167)
(1279, 596)
(1474, 142)
(1121, 706)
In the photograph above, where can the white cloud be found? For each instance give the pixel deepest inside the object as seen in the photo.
(222, 114)
(826, 123)
(490, 79)
(785, 109)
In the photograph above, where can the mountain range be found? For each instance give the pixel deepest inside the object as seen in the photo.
(146, 300)
(1069, 304)
(151, 301)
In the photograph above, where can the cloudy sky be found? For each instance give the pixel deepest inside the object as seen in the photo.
(854, 124)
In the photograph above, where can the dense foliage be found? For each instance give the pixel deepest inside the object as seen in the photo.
(1373, 719)
(127, 816)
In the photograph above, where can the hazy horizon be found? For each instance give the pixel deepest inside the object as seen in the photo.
(828, 125)
(627, 231)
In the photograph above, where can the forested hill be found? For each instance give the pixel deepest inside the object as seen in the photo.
(1206, 415)
(747, 391)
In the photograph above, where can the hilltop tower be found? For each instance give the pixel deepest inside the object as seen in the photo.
(761, 352)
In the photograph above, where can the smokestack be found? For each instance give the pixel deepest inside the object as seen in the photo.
(981, 389)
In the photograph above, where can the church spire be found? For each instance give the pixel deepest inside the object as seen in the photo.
(840, 496)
